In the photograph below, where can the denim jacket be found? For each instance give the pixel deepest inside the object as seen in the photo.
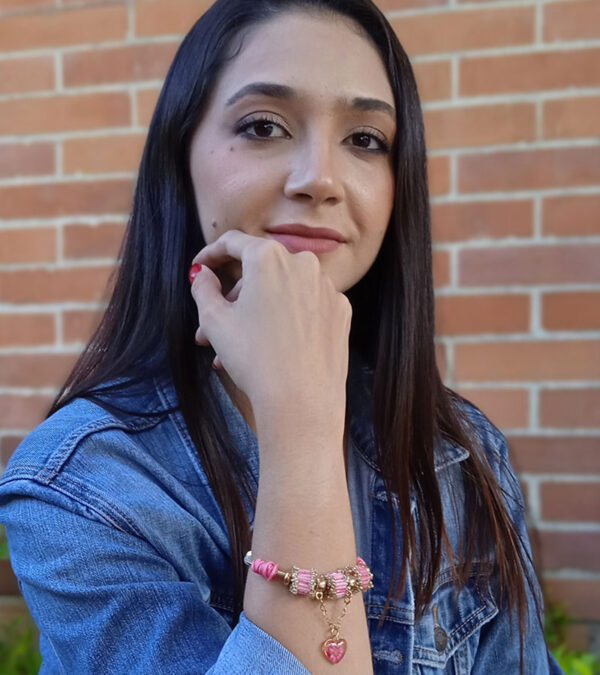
(122, 554)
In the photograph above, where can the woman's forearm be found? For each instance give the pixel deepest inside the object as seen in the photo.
(303, 518)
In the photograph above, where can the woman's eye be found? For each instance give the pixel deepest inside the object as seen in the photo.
(365, 140)
(264, 127)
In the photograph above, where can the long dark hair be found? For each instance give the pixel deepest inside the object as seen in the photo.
(151, 318)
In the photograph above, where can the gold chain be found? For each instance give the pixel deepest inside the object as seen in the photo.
(334, 626)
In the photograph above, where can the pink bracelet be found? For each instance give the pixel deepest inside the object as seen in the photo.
(342, 583)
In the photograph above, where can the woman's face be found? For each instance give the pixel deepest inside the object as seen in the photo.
(312, 154)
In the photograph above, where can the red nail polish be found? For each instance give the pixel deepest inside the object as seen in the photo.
(194, 269)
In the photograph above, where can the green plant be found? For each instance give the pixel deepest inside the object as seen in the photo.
(19, 653)
(3, 544)
(571, 661)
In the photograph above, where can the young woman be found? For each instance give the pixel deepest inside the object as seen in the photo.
(285, 163)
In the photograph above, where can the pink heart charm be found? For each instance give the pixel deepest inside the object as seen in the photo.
(334, 650)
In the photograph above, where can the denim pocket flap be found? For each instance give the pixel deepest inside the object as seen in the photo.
(452, 617)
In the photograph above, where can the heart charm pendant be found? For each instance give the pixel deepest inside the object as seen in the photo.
(334, 650)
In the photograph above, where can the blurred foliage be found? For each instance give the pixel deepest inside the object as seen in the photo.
(571, 661)
(3, 544)
(19, 653)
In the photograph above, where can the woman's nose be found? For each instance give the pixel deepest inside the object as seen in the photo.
(315, 171)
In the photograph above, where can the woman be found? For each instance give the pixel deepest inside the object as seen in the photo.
(129, 511)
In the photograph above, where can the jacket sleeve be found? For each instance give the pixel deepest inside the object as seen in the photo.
(104, 601)
(499, 639)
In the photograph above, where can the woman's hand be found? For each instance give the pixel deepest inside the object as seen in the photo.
(282, 332)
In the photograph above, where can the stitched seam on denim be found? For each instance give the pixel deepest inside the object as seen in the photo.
(437, 659)
(437, 655)
(67, 447)
(183, 433)
(184, 436)
(407, 615)
(102, 507)
(58, 457)
(105, 517)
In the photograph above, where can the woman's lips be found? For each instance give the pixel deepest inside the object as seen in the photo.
(295, 243)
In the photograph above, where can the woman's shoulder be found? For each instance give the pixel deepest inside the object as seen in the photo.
(102, 452)
(49, 446)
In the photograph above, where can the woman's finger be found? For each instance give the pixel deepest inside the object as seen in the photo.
(212, 306)
(231, 245)
(234, 293)
(200, 338)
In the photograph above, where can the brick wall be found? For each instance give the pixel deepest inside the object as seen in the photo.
(511, 95)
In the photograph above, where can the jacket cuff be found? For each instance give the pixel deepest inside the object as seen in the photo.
(248, 649)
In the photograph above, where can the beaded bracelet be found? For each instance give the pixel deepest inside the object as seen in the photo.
(341, 583)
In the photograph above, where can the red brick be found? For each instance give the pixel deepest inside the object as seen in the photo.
(572, 502)
(25, 330)
(63, 27)
(573, 215)
(506, 408)
(469, 314)
(132, 63)
(145, 103)
(577, 310)
(156, 17)
(28, 74)
(579, 596)
(93, 241)
(574, 550)
(391, 5)
(78, 325)
(72, 3)
(24, 5)
(26, 159)
(103, 154)
(462, 221)
(438, 173)
(522, 361)
(65, 198)
(28, 245)
(479, 125)
(572, 20)
(441, 268)
(568, 408)
(8, 445)
(555, 454)
(529, 169)
(433, 79)
(23, 412)
(86, 284)
(572, 117)
(465, 29)
(64, 113)
(509, 265)
(535, 71)
(35, 370)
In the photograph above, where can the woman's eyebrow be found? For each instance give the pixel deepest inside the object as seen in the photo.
(283, 91)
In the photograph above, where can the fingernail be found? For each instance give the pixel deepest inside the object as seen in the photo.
(194, 269)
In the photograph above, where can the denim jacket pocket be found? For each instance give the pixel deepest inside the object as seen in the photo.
(446, 637)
